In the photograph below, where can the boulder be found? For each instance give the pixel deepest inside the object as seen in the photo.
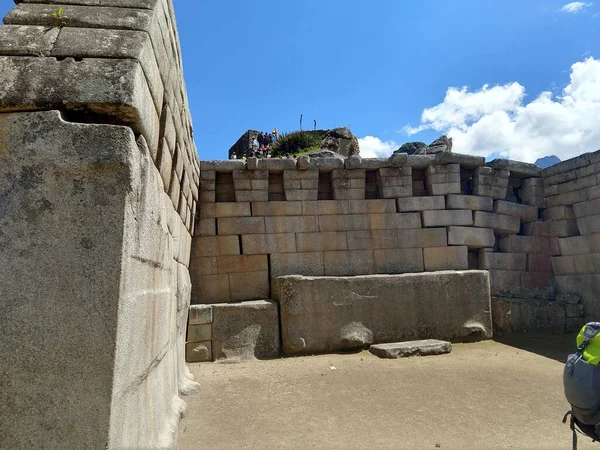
(411, 148)
(441, 144)
(411, 348)
(341, 141)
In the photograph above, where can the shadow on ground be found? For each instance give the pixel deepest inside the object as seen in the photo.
(556, 347)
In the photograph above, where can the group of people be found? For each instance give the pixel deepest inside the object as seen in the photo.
(260, 146)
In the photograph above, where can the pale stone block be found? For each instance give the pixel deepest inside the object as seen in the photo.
(250, 175)
(259, 185)
(530, 244)
(563, 212)
(309, 264)
(446, 258)
(396, 191)
(568, 198)
(538, 285)
(279, 208)
(517, 168)
(393, 261)
(199, 333)
(444, 218)
(558, 228)
(196, 352)
(326, 207)
(505, 282)
(559, 178)
(395, 221)
(241, 225)
(322, 241)
(262, 244)
(589, 224)
(348, 194)
(205, 266)
(577, 184)
(473, 202)
(588, 208)
(223, 165)
(215, 246)
(443, 178)
(242, 185)
(500, 223)
(225, 209)
(503, 261)
(210, 175)
(308, 184)
(485, 190)
(395, 172)
(420, 203)
(242, 263)
(291, 224)
(379, 206)
(249, 285)
(206, 227)
(443, 169)
(292, 184)
(348, 263)
(246, 331)
(312, 174)
(199, 314)
(301, 194)
(207, 197)
(251, 196)
(574, 265)
(471, 237)
(527, 213)
(212, 289)
(444, 188)
(533, 196)
(347, 222)
(580, 244)
(373, 239)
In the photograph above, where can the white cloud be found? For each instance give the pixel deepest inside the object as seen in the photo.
(373, 147)
(575, 7)
(496, 119)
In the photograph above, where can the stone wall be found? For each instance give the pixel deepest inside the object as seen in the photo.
(98, 188)
(406, 214)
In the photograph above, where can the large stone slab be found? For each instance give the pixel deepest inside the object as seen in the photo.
(247, 330)
(321, 314)
(411, 348)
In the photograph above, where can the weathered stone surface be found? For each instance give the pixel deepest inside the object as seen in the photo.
(468, 161)
(321, 241)
(530, 244)
(243, 225)
(347, 222)
(585, 286)
(345, 263)
(391, 221)
(558, 228)
(394, 261)
(247, 330)
(226, 165)
(225, 209)
(241, 263)
(559, 213)
(307, 263)
(411, 348)
(588, 208)
(318, 312)
(277, 208)
(473, 238)
(198, 352)
(386, 239)
(326, 207)
(262, 244)
(444, 218)
(516, 284)
(200, 314)
(249, 285)
(517, 315)
(527, 213)
(420, 203)
(579, 245)
(503, 261)
(291, 224)
(199, 333)
(215, 246)
(589, 224)
(445, 258)
(380, 206)
(27, 40)
(517, 168)
(472, 202)
(500, 223)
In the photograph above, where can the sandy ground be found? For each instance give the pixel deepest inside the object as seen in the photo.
(487, 395)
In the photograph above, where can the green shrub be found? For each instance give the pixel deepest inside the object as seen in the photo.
(296, 142)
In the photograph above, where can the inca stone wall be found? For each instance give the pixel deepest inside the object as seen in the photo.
(98, 188)
(263, 219)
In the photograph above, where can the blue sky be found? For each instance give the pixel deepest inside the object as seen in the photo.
(384, 69)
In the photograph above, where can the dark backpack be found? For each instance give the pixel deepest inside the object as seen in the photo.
(582, 389)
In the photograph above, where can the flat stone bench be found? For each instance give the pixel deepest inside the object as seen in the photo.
(326, 314)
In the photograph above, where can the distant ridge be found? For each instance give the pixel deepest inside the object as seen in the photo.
(547, 161)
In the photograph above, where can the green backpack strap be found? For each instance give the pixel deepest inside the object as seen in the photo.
(591, 330)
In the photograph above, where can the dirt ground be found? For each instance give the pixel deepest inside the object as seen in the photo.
(487, 395)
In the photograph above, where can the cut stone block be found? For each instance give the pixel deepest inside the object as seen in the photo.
(380, 206)
(420, 203)
(445, 258)
(523, 315)
(206, 227)
(503, 261)
(326, 207)
(308, 263)
(249, 285)
(395, 221)
(199, 333)
(348, 263)
(471, 237)
(539, 263)
(251, 196)
(322, 241)
(444, 188)
(500, 223)
(215, 246)
(530, 244)
(301, 194)
(585, 209)
(527, 213)
(291, 224)
(211, 289)
(242, 263)
(347, 222)
(443, 218)
(562, 212)
(242, 225)
(589, 224)
(200, 314)
(411, 348)
(395, 261)
(472, 202)
(517, 168)
(245, 331)
(558, 228)
(579, 245)
(263, 244)
(196, 352)
(225, 209)
(324, 314)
